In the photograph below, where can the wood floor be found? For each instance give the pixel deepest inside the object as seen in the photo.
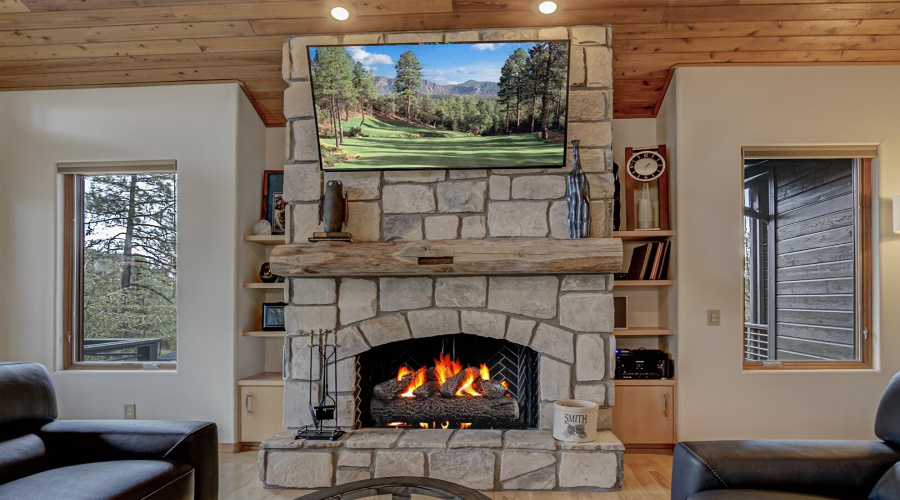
(647, 477)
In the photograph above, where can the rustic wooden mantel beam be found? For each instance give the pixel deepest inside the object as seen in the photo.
(457, 257)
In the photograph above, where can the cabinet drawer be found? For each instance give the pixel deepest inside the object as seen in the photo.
(644, 414)
(261, 412)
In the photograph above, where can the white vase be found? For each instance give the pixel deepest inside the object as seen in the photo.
(575, 420)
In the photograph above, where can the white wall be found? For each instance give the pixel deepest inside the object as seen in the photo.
(716, 111)
(197, 126)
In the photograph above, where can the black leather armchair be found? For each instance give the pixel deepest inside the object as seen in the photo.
(42, 458)
(795, 469)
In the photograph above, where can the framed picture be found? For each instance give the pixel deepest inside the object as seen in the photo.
(274, 208)
(273, 316)
(620, 313)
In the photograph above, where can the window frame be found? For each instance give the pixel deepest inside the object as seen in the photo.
(73, 251)
(863, 245)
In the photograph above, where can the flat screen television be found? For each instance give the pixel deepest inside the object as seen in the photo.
(441, 105)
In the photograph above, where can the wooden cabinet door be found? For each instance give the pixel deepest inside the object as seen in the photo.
(261, 412)
(644, 415)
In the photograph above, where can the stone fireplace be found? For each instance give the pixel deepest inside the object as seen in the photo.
(543, 337)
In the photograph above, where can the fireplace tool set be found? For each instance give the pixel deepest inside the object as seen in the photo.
(322, 354)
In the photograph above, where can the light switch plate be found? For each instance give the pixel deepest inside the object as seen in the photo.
(713, 317)
(130, 411)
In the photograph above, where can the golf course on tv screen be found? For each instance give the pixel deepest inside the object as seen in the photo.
(441, 106)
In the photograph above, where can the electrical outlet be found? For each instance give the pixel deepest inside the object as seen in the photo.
(713, 317)
(131, 411)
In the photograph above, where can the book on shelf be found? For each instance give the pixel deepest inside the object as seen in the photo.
(330, 238)
(650, 261)
(335, 234)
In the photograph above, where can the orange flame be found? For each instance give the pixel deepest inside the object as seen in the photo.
(505, 384)
(466, 386)
(404, 370)
(484, 372)
(417, 380)
(465, 425)
(445, 367)
(445, 425)
(423, 425)
(397, 424)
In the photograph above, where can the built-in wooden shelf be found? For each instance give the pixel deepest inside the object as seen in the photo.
(264, 378)
(667, 381)
(266, 286)
(269, 239)
(619, 283)
(262, 333)
(642, 235)
(642, 332)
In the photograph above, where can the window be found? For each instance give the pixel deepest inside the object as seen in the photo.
(120, 264)
(807, 258)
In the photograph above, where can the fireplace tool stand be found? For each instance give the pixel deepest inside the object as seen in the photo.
(322, 354)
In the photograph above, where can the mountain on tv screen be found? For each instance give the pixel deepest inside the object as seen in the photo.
(441, 106)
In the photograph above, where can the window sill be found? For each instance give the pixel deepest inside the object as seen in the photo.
(121, 367)
(812, 366)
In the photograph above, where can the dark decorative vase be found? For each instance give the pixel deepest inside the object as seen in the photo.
(265, 273)
(617, 200)
(578, 196)
(333, 207)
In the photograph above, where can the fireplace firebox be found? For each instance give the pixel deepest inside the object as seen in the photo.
(457, 381)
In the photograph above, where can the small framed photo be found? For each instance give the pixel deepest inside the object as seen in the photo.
(620, 313)
(273, 316)
(274, 208)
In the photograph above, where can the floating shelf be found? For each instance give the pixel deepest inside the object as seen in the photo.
(269, 239)
(266, 286)
(642, 235)
(260, 333)
(619, 283)
(642, 332)
(667, 381)
(264, 378)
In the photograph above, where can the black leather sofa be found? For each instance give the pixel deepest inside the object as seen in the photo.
(44, 458)
(783, 470)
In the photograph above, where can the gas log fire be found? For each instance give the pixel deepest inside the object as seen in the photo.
(445, 395)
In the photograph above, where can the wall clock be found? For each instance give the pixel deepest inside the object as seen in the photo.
(647, 168)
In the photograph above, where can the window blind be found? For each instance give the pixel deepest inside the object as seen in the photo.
(116, 167)
(832, 151)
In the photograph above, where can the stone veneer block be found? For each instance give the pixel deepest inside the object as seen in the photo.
(433, 322)
(601, 219)
(469, 291)
(461, 36)
(543, 479)
(473, 227)
(461, 196)
(584, 283)
(405, 293)
(518, 218)
(286, 62)
(299, 470)
(506, 35)
(595, 393)
(354, 459)
(385, 329)
(298, 100)
(402, 228)
(473, 469)
(592, 159)
(587, 105)
(359, 186)
(305, 221)
(302, 182)
(431, 37)
(408, 199)
(372, 438)
(499, 187)
(586, 312)
(539, 187)
(468, 174)
(346, 374)
(365, 225)
(300, 366)
(346, 410)
(590, 363)
(519, 463)
(520, 331)
(597, 470)
(555, 342)
(425, 438)
(296, 402)
(400, 463)
(589, 35)
(605, 441)
(357, 300)
(577, 75)
(477, 438)
(597, 134)
(559, 220)
(529, 440)
(300, 55)
(305, 140)
(304, 318)
(283, 440)
(553, 34)
(533, 296)
(486, 324)
(351, 475)
(599, 66)
(601, 185)
(313, 291)
(556, 379)
(424, 176)
(363, 38)
(441, 227)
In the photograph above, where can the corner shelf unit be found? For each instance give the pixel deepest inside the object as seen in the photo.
(264, 378)
(265, 286)
(265, 333)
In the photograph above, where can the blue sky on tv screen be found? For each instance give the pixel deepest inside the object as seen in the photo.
(444, 64)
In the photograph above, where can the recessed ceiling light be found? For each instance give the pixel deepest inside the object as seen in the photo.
(340, 13)
(547, 7)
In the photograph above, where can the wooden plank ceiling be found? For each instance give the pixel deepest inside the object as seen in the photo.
(80, 43)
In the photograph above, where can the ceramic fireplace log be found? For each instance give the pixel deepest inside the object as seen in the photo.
(458, 409)
(429, 389)
(490, 256)
(392, 388)
(451, 385)
(490, 388)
